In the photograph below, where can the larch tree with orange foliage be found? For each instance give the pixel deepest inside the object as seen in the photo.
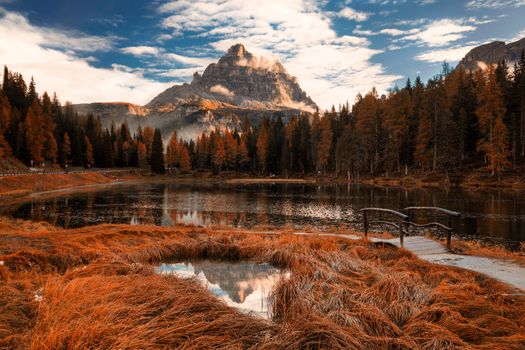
(5, 116)
(219, 154)
(34, 138)
(398, 108)
(490, 113)
(185, 163)
(172, 152)
(368, 125)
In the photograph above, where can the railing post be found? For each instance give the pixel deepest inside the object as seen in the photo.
(365, 222)
(401, 234)
(449, 238)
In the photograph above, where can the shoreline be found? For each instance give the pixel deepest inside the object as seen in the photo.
(27, 186)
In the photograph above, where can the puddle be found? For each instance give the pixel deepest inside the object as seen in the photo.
(244, 285)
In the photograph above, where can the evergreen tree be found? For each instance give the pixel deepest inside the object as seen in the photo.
(324, 144)
(157, 153)
(490, 112)
(88, 153)
(65, 150)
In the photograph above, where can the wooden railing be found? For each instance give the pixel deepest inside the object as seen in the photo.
(449, 213)
(404, 222)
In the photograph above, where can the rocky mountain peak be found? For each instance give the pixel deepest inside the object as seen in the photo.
(238, 86)
(237, 50)
(493, 53)
(240, 79)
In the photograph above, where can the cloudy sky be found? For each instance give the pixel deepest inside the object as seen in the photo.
(121, 50)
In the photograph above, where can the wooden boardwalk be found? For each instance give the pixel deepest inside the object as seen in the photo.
(432, 251)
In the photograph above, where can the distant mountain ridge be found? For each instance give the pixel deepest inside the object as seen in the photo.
(240, 85)
(493, 53)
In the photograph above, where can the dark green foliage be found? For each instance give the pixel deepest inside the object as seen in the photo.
(157, 154)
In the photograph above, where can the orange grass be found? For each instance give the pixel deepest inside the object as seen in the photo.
(96, 288)
(467, 247)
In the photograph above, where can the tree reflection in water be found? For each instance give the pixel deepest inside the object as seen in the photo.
(494, 214)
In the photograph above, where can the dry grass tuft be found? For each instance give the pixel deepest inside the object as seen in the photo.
(96, 288)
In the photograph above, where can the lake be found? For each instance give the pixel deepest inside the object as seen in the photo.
(497, 216)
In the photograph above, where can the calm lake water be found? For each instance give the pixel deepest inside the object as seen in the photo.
(487, 215)
(243, 285)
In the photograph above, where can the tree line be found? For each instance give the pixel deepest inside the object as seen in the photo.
(458, 120)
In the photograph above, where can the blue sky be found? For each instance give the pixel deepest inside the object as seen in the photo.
(117, 50)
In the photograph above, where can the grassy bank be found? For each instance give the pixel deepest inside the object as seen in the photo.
(96, 288)
(23, 185)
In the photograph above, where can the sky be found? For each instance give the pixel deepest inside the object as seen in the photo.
(121, 50)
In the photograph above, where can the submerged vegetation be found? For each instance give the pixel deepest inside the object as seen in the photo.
(96, 287)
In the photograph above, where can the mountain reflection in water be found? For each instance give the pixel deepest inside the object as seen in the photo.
(490, 215)
(244, 285)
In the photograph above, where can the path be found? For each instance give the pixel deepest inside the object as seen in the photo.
(431, 251)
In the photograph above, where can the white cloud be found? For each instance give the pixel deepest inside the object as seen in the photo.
(353, 15)
(453, 54)
(48, 55)
(141, 50)
(441, 32)
(494, 4)
(329, 67)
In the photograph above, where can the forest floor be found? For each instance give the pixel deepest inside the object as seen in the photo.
(97, 288)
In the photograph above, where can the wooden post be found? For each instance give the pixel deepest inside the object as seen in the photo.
(365, 219)
(449, 232)
(401, 234)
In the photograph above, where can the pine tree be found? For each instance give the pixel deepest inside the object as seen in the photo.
(368, 124)
(324, 144)
(219, 152)
(157, 153)
(88, 153)
(490, 112)
(262, 145)
(398, 108)
(423, 150)
(65, 150)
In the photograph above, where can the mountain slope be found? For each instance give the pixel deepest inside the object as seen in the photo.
(238, 86)
(493, 53)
